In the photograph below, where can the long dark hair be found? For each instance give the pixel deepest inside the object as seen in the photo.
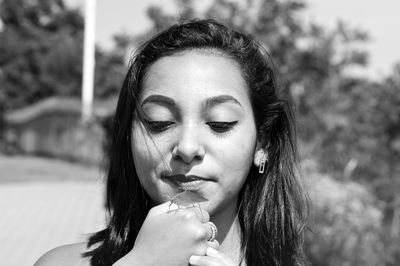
(272, 206)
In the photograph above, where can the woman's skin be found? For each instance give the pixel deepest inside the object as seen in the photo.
(200, 136)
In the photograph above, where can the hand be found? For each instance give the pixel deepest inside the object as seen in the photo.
(170, 237)
(213, 258)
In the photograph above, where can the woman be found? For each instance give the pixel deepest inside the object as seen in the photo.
(199, 135)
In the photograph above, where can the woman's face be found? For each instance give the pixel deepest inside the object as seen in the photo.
(201, 132)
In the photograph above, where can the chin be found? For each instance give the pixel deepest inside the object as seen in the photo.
(210, 207)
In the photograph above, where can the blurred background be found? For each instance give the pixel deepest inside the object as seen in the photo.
(338, 63)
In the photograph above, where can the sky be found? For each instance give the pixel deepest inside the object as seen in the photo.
(379, 18)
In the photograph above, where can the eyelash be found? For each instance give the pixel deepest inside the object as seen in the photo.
(221, 127)
(217, 127)
(158, 126)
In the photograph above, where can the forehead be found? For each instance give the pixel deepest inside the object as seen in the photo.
(195, 73)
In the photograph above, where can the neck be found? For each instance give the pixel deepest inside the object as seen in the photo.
(229, 233)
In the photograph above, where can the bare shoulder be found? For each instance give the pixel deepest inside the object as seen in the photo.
(65, 256)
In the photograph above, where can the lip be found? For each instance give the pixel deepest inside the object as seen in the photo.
(187, 182)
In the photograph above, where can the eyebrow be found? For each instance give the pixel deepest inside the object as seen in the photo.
(211, 102)
(208, 103)
(159, 99)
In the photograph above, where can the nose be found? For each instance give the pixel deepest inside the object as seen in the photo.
(188, 146)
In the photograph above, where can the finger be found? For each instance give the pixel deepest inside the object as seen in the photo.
(160, 209)
(171, 208)
(213, 244)
(218, 256)
(200, 213)
(195, 260)
(165, 207)
(213, 258)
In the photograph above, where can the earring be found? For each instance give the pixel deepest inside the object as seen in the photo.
(263, 160)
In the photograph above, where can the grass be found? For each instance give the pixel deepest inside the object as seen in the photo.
(31, 169)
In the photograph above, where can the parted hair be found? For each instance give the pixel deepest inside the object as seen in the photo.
(272, 208)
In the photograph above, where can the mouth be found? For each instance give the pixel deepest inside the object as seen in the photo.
(187, 182)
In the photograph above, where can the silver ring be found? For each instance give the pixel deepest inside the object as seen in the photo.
(214, 232)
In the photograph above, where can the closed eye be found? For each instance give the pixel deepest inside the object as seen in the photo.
(221, 127)
(158, 126)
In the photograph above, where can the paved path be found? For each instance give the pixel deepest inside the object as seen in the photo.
(37, 216)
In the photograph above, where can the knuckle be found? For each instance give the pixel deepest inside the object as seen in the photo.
(201, 233)
(186, 215)
(201, 215)
(159, 209)
(201, 249)
(152, 212)
(206, 216)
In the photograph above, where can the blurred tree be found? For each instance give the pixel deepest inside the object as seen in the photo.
(41, 50)
(346, 222)
(42, 43)
(111, 67)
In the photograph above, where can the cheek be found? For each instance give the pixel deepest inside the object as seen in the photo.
(235, 160)
(240, 150)
(149, 154)
(143, 156)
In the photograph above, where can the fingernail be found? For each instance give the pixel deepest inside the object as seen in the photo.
(193, 259)
(211, 251)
